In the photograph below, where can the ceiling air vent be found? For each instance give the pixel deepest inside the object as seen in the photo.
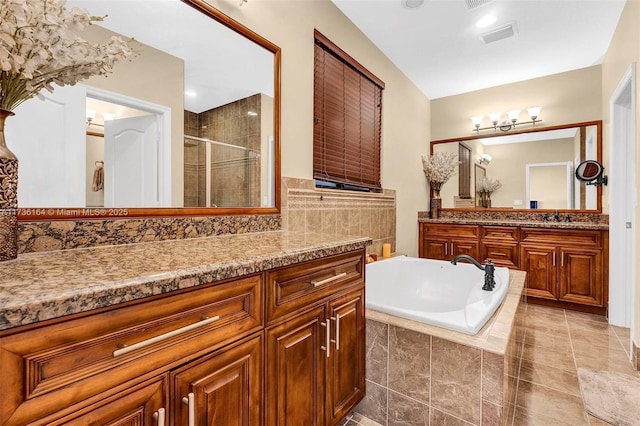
(499, 33)
(472, 4)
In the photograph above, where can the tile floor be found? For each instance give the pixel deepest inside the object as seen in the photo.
(556, 343)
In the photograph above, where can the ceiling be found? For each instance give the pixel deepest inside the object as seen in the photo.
(220, 65)
(438, 46)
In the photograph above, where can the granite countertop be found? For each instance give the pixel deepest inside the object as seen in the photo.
(45, 285)
(522, 223)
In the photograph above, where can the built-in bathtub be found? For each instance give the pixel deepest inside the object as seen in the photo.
(422, 373)
(435, 292)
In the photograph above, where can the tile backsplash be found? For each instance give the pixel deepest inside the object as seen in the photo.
(350, 213)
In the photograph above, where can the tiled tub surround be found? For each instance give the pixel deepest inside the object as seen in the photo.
(529, 219)
(307, 209)
(81, 233)
(418, 374)
(40, 286)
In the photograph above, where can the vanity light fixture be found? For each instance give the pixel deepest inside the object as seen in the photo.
(108, 116)
(506, 125)
(485, 159)
(91, 115)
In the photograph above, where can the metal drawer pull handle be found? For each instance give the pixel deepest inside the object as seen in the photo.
(190, 402)
(124, 349)
(159, 416)
(337, 341)
(327, 334)
(328, 280)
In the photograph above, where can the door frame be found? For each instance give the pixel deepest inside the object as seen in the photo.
(623, 201)
(568, 165)
(162, 115)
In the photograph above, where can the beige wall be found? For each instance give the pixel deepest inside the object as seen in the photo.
(623, 50)
(405, 124)
(568, 97)
(155, 77)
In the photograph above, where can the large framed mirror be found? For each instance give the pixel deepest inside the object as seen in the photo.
(189, 126)
(535, 167)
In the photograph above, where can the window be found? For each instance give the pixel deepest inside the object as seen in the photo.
(347, 120)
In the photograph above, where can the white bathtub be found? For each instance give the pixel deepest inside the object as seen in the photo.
(434, 292)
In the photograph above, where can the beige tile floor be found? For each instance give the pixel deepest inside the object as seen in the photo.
(556, 343)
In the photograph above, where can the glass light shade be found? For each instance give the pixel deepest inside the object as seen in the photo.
(107, 116)
(495, 117)
(513, 115)
(477, 120)
(534, 112)
(91, 113)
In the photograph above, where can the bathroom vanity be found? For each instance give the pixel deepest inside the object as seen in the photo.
(249, 329)
(566, 263)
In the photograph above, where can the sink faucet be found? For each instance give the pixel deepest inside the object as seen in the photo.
(488, 268)
(556, 217)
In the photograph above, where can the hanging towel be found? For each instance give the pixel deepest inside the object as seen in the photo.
(98, 177)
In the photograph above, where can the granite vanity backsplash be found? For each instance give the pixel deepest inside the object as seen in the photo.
(531, 219)
(71, 234)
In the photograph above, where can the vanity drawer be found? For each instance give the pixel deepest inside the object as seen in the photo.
(448, 230)
(299, 286)
(582, 237)
(502, 233)
(55, 366)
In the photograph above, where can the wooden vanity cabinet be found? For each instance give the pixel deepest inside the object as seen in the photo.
(54, 369)
(199, 356)
(446, 241)
(316, 349)
(566, 267)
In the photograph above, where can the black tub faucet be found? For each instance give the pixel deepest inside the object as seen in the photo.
(488, 268)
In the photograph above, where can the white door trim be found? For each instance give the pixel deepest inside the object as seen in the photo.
(623, 201)
(163, 118)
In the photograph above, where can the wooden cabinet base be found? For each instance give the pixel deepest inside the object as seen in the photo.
(596, 310)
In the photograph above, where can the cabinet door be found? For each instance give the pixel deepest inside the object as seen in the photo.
(221, 389)
(435, 248)
(581, 276)
(296, 359)
(471, 248)
(139, 405)
(345, 384)
(539, 262)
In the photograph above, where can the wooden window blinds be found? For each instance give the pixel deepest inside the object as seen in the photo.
(347, 119)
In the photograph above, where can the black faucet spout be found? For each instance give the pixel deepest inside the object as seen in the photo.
(468, 258)
(488, 268)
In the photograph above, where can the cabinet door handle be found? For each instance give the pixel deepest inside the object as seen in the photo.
(561, 260)
(337, 341)
(328, 280)
(124, 349)
(446, 249)
(159, 416)
(327, 335)
(190, 402)
(554, 259)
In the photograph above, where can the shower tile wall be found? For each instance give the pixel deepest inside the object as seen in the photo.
(235, 180)
(307, 209)
(194, 164)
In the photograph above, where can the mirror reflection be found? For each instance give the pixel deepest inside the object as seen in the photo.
(188, 122)
(535, 169)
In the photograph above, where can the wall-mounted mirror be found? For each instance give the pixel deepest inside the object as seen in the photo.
(188, 126)
(536, 167)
